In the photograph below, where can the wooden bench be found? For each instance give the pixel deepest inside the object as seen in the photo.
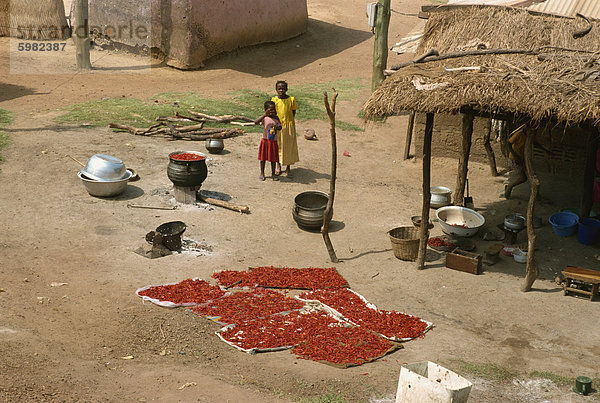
(578, 274)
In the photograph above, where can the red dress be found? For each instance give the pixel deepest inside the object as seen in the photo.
(268, 149)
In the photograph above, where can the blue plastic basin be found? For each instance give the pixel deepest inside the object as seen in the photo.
(564, 223)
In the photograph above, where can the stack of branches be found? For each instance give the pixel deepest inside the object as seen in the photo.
(196, 132)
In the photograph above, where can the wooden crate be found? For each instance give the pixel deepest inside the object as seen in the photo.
(465, 261)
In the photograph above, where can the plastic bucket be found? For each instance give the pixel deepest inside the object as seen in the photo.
(588, 231)
(564, 223)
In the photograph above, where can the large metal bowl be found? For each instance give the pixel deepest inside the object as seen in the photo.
(459, 221)
(102, 167)
(104, 188)
(440, 196)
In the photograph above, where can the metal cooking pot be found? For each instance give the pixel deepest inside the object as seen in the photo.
(514, 221)
(309, 208)
(102, 167)
(187, 173)
(171, 234)
(440, 196)
(215, 146)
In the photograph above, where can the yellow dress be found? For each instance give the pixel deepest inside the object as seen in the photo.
(286, 137)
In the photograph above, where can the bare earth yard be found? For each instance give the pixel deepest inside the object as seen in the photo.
(67, 343)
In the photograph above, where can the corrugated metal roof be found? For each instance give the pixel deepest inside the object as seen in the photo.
(589, 8)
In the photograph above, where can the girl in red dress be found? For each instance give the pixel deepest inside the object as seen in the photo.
(268, 149)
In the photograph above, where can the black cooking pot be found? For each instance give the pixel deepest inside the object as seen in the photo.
(171, 234)
(187, 173)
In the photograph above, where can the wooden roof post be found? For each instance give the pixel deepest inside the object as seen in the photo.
(380, 50)
(532, 270)
(489, 150)
(463, 162)
(587, 198)
(81, 35)
(409, 133)
(424, 227)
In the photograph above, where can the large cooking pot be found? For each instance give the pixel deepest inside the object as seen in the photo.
(309, 208)
(187, 168)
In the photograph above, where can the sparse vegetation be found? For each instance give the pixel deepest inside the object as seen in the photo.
(5, 119)
(249, 103)
(487, 371)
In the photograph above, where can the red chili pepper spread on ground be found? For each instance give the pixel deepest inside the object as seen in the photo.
(277, 330)
(438, 242)
(283, 277)
(388, 323)
(242, 306)
(187, 291)
(187, 157)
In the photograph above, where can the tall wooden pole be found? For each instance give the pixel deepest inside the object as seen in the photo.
(380, 50)
(81, 35)
(587, 198)
(489, 150)
(329, 208)
(463, 162)
(532, 270)
(424, 227)
(409, 133)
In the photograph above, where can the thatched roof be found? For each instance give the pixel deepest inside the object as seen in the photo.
(555, 76)
(33, 19)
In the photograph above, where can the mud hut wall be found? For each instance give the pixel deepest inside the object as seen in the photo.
(188, 32)
(33, 19)
(568, 145)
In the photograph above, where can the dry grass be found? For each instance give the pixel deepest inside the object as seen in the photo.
(558, 80)
(33, 19)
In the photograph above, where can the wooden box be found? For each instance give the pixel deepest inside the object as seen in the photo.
(461, 260)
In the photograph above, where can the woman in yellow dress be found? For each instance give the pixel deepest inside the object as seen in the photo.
(286, 108)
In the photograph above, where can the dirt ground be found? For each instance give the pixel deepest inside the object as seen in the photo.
(67, 342)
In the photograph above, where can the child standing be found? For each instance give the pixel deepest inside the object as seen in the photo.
(286, 111)
(268, 149)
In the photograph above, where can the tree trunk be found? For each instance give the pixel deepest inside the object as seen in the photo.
(329, 208)
(81, 35)
(463, 162)
(424, 228)
(409, 133)
(380, 50)
(490, 151)
(532, 268)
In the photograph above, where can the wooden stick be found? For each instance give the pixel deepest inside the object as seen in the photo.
(221, 119)
(329, 208)
(424, 229)
(489, 150)
(83, 165)
(224, 204)
(532, 270)
(587, 197)
(409, 133)
(463, 162)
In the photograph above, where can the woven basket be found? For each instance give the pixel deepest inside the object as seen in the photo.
(405, 242)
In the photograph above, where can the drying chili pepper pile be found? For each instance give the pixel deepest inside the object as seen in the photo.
(342, 329)
(276, 331)
(240, 306)
(438, 242)
(283, 277)
(343, 345)
(187, 291)
(391, 324)
(187, 157)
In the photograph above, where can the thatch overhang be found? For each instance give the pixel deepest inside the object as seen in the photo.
(554, 76)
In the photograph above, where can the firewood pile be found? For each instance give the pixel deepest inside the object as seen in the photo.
(168, 127)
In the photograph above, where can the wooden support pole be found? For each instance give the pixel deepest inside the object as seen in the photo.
(587, 198)
(81, 35)
(424, 229)
(329, 208)
(409, 133)
(532, 270)
(463, 162)
(380, 49)
(489, 150)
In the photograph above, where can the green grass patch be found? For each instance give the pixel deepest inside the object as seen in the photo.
(558, 380)
(5, 119)
(249, 103)
(487, 371)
